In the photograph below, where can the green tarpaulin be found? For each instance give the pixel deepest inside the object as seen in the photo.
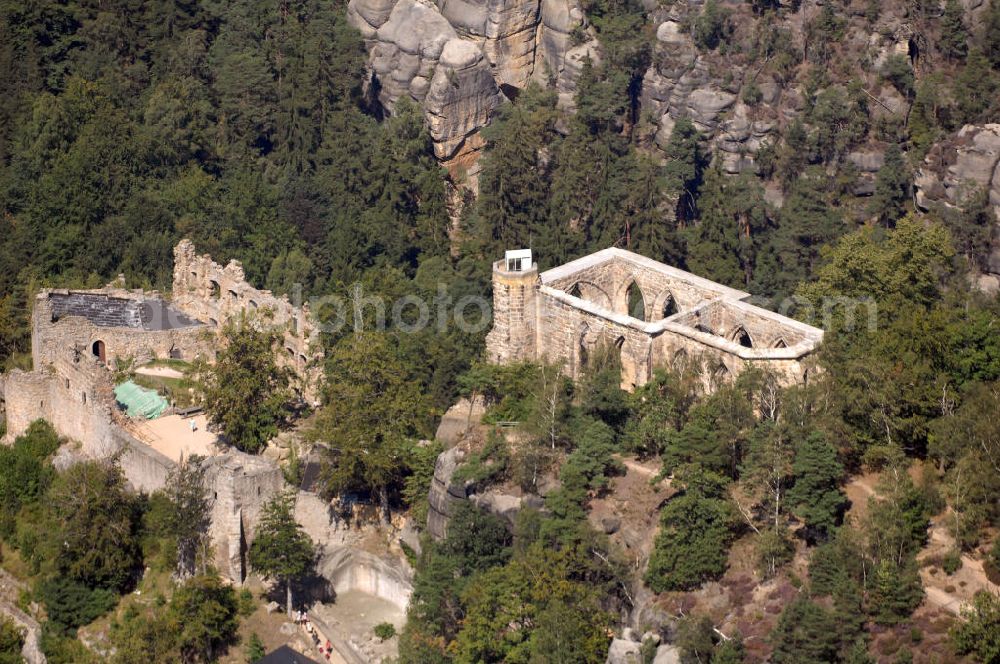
(140, 402)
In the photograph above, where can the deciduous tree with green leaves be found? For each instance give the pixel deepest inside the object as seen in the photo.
(374, 411)
(190, 514)
(246, 392)
(203, 615)
(978, 633)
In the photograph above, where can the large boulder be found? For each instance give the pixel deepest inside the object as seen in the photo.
(369, 15)
(506, 29)
(406, 51)
(624, 651)
(461, 97)
(559, 53)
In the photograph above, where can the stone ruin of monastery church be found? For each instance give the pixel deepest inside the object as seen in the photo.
(655, 315)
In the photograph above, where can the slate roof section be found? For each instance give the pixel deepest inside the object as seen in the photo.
(150, 314)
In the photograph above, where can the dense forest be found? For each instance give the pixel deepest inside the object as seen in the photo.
(252, 128)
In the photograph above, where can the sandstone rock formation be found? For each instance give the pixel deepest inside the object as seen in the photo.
(957, 167)
(444, 492)
(455, 56)
(680, 84)
(628, 651)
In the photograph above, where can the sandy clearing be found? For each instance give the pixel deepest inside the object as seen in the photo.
(171, 435)
(162, 372)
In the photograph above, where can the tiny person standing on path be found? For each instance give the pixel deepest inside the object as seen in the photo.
(194, 427)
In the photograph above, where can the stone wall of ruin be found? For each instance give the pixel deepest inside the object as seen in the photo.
(74, 394)
(609, 280)
(537, 318)
(214, 294)
(241, 486)
(51, 339)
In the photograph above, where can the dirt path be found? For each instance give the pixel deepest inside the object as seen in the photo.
(635, 466)
(950, 593)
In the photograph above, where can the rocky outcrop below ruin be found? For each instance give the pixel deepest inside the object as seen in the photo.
(445, 492)
(628, 649)
(10, 590)
(956, 168)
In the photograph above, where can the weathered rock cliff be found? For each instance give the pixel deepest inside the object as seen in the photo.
(955, 168)
(455, 56)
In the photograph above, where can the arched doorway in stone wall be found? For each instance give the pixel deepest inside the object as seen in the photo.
(100, 351)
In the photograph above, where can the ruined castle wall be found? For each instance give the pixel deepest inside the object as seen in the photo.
(241, 486)
(145, 468)
(209, 292)
(573, 336)
(724, 320)
(74, 398)
(52, 339)
(65, 395)
(613, 275)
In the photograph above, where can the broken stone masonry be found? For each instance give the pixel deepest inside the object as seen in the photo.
(564, 315)
(78, 335)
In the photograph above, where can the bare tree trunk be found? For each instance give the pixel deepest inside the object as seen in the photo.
(288, 598)
(383, 495)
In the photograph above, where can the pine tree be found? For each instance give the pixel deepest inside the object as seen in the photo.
(282, 550)
(816, 494)
(514, 183)
(976, 87)
(954, 42)
(895, 591)
(696, 528)
(806, 633)
(255, 649)
(723, 245)
(892, 185)
(685, 163)
(806, 222)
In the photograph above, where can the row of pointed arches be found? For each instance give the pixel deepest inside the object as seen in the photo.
(634, 304)
(634, 301)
